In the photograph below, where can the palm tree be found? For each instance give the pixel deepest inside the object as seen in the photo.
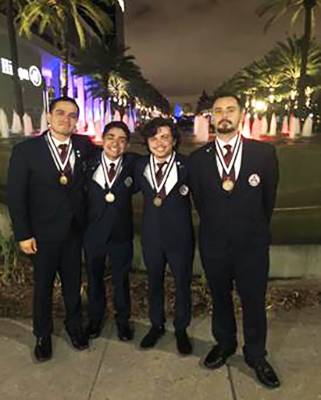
(287, 59)
(9, 7)
(64, 20)
(276, 9)
(115, 74)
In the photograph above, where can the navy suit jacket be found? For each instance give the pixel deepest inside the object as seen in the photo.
(110, 221)
(170, 225)
(241, 217)
(39, 205)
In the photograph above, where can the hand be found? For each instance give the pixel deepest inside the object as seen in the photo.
(28, 246)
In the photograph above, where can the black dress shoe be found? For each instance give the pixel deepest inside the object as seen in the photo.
(183, 343)
(125, 332)
(217, 357)
(43, 349)
(152, 337)
(79, 339)
(94, 329)
(265, 373)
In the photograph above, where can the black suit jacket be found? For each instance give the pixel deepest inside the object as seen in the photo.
(242, 216)
(39, 205)
(110, 221)
(170, 224)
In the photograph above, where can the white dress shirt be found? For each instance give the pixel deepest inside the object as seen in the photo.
(99, 176)
(171, 179)
(238, 160)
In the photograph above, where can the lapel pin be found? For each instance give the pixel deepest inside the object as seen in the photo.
(254, 180)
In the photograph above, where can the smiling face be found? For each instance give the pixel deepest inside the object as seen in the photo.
(226, 116)
(63, 119)
(161, 145)
(115, 143)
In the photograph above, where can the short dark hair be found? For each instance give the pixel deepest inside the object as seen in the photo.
(226, 94)
(151, 127)
(53, 103)
(117, 124)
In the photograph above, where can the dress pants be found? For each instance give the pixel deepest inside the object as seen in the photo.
(62, 257)
(248, 269)
(121, 255)
(180, 262)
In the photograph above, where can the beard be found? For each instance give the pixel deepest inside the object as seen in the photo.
(225, 127)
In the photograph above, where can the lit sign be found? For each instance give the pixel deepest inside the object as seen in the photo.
(122, 5)
(31, 74)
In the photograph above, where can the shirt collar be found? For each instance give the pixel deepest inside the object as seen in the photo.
(108, 161)
(58, 142)
(167, 159)
(231, 142)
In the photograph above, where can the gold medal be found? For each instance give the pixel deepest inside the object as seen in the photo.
(228, 185)
(63, 180)
(157, 201)
(110, 197)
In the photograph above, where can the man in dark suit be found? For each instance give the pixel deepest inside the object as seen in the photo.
(46, 202)
(167, 232)
(233, 182)
(110, 228)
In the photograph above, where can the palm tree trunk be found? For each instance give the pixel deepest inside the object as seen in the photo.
(308, 5)
(18, 99)
(65, 60)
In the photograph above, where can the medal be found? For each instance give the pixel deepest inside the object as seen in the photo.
(228, 185)
(60, 165)
(158, 186)
(157, 201)
(110, 197)
(109, 183)
(63, 180)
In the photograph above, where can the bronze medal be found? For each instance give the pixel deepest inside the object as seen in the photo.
(110, 197)
(63, 180)
(157, 201)
(228, 185)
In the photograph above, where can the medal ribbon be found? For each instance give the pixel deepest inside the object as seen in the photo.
(56, 155)
(152, 166)
(219, 152)
(105, 170)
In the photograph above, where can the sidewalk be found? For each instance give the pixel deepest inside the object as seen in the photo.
(114, 370)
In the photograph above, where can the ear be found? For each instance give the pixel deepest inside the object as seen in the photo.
(48, 118)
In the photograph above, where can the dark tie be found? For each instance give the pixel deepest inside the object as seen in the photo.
(63, 154)
(111, 171)
(159, 177)
(227, 158)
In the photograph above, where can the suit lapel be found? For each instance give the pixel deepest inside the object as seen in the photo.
(245, 167)
(46, 158)
(181, 174)
(212, 168)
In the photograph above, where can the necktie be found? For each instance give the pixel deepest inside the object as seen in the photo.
(159, 176)
(111, 171)
(227, 158)
(63, 154)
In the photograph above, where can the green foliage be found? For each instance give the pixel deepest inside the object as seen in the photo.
(279, 70)
(56, 17)
(8, 258)
(275, 9)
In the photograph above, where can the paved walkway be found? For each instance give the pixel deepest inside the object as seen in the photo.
(113, 370)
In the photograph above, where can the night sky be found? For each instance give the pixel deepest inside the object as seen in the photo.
(184, 46)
